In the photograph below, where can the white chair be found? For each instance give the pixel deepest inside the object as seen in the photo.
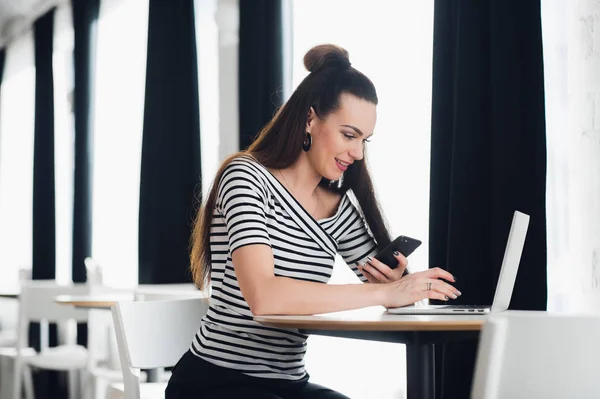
(163, 292)
(9, 314)
(103, 361)
(103, 365)
(93, 272)
(153, 334)
(37, 304)
(537, 355)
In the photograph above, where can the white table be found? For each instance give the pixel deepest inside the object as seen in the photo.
(419, 333)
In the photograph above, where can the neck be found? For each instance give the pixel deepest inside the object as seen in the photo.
(303, 178)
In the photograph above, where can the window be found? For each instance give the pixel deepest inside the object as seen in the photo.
(118, 122)
(17, 110)
(64, 140)
(392, 43)
(207, 50)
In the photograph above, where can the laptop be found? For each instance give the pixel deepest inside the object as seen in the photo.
(506, 281)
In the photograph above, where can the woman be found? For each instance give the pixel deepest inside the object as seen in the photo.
(266, 239)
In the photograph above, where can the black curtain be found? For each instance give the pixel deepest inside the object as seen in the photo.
(171, 144)
(2, 60)
(44, 218)
(47, 384)
(260, 66)
(85, 15)
(488, 158)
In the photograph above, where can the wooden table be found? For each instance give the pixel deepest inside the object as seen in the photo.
(419, 333)
(105, 300)
(10, 291)
(99, 301)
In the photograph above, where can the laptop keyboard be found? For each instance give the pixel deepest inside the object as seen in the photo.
(469, 306)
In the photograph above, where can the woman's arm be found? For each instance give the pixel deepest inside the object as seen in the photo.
(267, 294)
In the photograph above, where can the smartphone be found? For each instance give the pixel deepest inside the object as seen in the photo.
(403, 244)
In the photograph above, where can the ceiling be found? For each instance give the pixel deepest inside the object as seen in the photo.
(17, 15)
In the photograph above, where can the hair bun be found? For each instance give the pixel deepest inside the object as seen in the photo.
(326, 56)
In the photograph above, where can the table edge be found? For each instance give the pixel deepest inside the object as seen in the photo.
(410, 325)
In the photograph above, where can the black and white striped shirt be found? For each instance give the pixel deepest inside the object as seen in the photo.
(253, 207)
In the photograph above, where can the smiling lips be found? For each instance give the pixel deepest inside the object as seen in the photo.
(342, 165)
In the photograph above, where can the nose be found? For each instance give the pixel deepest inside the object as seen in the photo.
(357, 151)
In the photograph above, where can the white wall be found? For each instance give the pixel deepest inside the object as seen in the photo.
(571, 33)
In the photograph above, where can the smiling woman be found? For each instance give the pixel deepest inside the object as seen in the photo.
(267, 237)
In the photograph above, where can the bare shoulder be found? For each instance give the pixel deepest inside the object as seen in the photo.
(330, 201)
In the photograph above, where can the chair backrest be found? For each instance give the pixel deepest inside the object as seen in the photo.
(154, 334)
(37, 301)
(24, 273)
(93, 272)
(161, 292)
(538, 355)
(37, 304)
(157, 333)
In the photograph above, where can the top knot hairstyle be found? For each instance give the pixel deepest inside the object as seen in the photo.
(279, 144)
(326, 56)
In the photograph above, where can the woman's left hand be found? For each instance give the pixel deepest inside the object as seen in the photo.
(378, 272)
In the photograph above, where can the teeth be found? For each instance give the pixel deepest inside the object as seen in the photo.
(343, 163)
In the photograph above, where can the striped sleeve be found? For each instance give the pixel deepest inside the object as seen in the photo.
(357, 243)
(242, 201)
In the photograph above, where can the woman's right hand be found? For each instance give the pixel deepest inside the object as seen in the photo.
(417, 286)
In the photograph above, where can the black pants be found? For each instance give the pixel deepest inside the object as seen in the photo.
(195, 378)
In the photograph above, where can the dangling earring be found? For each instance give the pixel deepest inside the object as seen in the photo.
(337, 183)
(307, 142)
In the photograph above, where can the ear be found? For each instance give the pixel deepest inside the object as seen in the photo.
(310, 119)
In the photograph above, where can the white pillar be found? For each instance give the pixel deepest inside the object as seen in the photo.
(227, 17)
(571, 34)
(584, 145)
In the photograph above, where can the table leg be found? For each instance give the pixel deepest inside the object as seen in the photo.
(420, 371)
(153, 375)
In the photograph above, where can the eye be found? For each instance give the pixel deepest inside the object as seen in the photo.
(349, 136)
(366, 141)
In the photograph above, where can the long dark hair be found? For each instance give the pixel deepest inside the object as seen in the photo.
(279, 143)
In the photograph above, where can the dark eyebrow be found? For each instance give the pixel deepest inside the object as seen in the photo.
(357, 130)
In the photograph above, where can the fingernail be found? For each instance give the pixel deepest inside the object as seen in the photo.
(454, 296)
(396, 253)
(459, 293)
(454, 278)
(446, 297)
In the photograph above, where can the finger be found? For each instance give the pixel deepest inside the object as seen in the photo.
(443, 288)
(369, 278)
(375, 273)
(436, 272)
(381, 268)
(420, 295)
(367, 275)
(402, 262)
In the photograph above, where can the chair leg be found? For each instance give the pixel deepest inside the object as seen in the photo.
(17, 374)
(89, 385)
(74, 384)
(28, 382)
